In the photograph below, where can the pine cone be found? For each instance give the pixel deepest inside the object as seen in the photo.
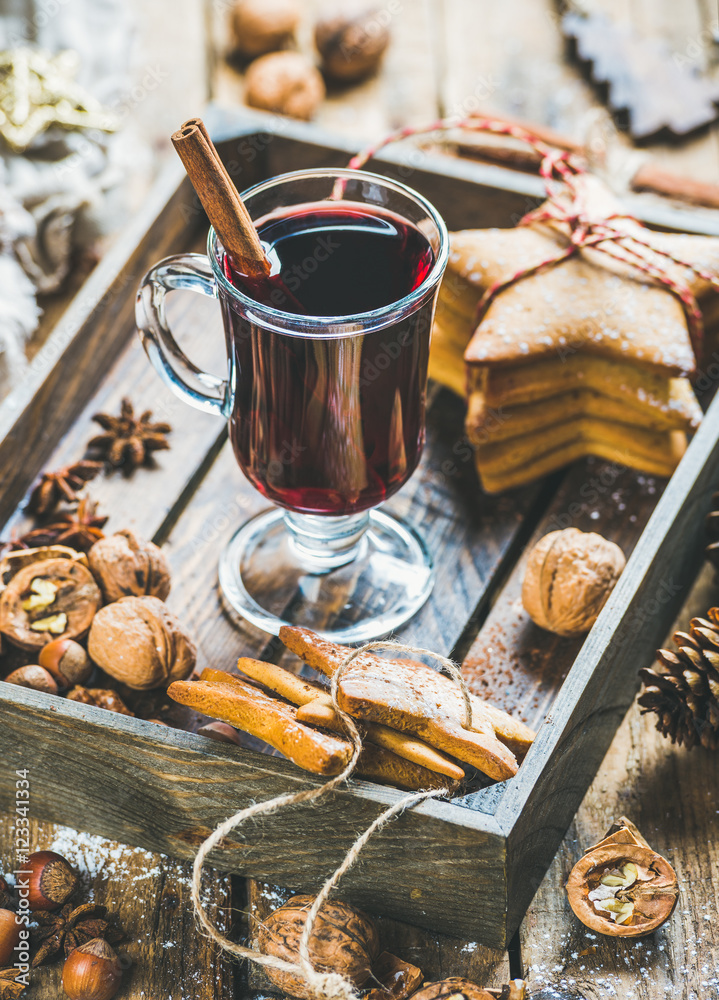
(685, 693)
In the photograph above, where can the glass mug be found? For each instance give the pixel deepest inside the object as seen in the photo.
(325, 412)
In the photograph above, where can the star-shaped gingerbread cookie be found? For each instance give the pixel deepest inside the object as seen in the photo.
(588, 302)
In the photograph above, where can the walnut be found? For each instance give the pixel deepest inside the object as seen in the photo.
(352, 42)
(343, 940)
(284, 82)
(125, 565)
(138, 641)
(261, 26)
(100, 697)
(569, 576)
(621, 887)
(52, 599)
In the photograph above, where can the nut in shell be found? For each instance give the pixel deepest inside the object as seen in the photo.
(352, 40)
(622, 888)
(67, 661)
(569, 577)
(286, 83)
(261, 26)
(46, 600)
(35, 677)
(138, 641)
(125, 565)
(343, 940)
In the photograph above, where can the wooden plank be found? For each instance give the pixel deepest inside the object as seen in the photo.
(603, 680)
(165, 790)
(37, 412)
(150, 896)
(513, 662)
(667, 792)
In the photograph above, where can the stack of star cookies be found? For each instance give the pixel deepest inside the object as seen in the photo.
(588, 356)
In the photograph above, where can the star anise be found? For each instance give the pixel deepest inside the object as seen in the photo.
(10, 985)
(61, 485)
(78, 529)
(69, 928)
(129, 441)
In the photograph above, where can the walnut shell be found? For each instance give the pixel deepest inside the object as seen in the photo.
(66, 613)
(260, 26)
(455, 987)
(138, 641)
(125, 565)
(569, 576)
(649, 900)
(13, 562)
(352, 42)
(100, 698)
(286, 83)
(343, 940)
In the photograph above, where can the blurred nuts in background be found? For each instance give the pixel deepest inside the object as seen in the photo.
(286, 83)
(261, 26)
(351, 43)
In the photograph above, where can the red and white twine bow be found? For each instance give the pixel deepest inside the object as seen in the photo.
(565, 205)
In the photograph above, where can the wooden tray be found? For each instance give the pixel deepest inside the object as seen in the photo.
(469, 867)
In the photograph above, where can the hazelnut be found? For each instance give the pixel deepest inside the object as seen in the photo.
(92, 972)
(9, 937)
(67, 661)
(221, 732)
(48, 600)
(343, 940)
(286, 83)
(7, 897)
(138, 641)
(51, 882)
(261, 26)
(35, 677)
(125, 565)
(569, 577)
(351, 42)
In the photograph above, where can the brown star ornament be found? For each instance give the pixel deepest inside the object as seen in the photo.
(38, 90)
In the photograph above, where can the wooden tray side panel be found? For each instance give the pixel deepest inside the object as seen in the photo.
(166, 791)
(539, 804)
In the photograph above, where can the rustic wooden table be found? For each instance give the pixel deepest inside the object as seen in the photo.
(449, 55)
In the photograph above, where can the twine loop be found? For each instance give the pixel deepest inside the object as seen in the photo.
(563, 173)
(325, 985)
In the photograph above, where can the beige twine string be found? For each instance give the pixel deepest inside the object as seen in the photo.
(328, 985)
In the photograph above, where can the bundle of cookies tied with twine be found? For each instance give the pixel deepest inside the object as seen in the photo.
(575, 333)
(392, 719)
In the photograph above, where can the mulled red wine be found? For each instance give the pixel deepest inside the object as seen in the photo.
(326, 425)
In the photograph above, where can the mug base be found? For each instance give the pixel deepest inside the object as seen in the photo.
(269, 581)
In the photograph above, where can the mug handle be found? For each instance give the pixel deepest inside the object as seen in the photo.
(198, 388)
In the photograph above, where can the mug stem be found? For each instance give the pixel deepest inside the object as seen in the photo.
(324, 542)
